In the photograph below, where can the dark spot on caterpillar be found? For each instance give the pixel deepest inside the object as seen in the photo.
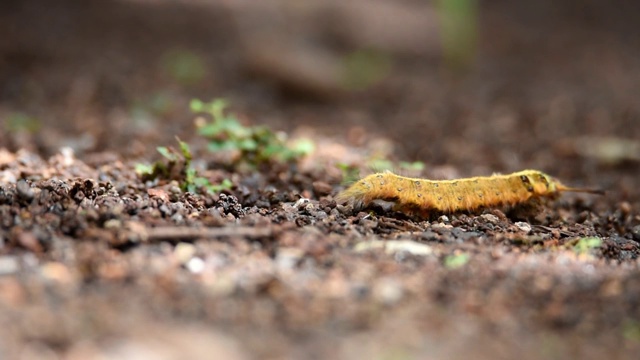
(435, 185)
(455, 183)
(417, 183)
(419, 195)
(480, 195)
(379, 176)
(439, 197)
(544, 180)
(381, 182)
(459, 198)
(527, 182)
(475, 181)
(399, 189)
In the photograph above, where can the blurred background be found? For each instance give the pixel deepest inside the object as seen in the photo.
(481, 86)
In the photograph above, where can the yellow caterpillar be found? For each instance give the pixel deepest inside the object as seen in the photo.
(423, 196)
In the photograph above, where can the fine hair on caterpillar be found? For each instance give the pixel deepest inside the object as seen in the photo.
(426, 197)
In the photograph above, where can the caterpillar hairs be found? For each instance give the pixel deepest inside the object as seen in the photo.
(424, 196)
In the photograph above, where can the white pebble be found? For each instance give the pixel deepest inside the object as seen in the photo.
(491, 218)
(523, 226)
(195, 265)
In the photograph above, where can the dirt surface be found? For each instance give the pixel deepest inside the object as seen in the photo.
(97, 263)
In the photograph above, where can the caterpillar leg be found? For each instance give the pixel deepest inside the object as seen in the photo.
(413, 212)
(528, 211)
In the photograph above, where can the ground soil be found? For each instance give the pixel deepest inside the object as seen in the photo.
(97, 263)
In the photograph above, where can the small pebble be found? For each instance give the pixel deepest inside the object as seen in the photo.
(113, 224)
(344, 209)
(523, 226)
(29, 241)
(159, 193)
(7, 177)
(67, 156)
(57, 271)
(395, 246)
(24, 190)
(9, 265)
(491, 218)
(195, 265)
(287, 258)
(388, 291)
(635, 233)
(184, 252)
(302, 203)
(321, 188)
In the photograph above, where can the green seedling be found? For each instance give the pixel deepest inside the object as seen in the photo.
(456, 261)
(380, 164)
(412, 166)
(177, 166)
(350, 173)
(255, 144)
(587, 244)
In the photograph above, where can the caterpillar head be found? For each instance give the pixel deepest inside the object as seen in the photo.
(545, 185)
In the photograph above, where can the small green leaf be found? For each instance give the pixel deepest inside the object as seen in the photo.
(168, 154)
(456, 261)
(414, 166)
(216, 108)
(380, 164)
(211, 129)
(235, 129)
(247, 144)
(196, 105)
(144, 169)
(350, 173)
(226, 184)
(586, 244)
(186, 151)
(190, 175)
(272, 150)
(303, 146)
(201, 181)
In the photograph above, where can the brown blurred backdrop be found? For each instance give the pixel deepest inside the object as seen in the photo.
(447, 81)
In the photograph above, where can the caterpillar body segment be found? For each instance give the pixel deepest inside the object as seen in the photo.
(424, 197)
